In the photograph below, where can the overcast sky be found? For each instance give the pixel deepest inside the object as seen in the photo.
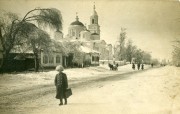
(152, 25)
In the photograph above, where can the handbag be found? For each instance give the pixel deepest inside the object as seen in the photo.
(68, 92)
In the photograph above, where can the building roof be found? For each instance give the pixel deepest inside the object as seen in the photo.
(85, 31)
(88, 50)
(94, 10)
(77, 23)
(94, 34)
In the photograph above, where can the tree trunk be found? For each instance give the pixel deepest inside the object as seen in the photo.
(1, 38)
(2, 67)
(36, 61)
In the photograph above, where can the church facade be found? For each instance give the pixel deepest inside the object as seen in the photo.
(90, 37)
(90, 40)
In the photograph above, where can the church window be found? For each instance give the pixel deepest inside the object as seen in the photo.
(92, 21)
(45, 59)
(58, 59)
(73, 33)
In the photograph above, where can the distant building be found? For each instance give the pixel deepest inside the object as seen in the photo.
(90, 37)
(92, 47)
(58, 35)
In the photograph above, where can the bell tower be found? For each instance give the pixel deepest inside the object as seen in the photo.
(94, 26)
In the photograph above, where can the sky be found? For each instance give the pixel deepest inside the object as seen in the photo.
(152, 25)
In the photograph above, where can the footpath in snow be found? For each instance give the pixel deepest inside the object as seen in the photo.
(155, 91)
(11, 82)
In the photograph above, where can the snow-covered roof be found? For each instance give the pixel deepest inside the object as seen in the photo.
(88, 50)
(19, 49)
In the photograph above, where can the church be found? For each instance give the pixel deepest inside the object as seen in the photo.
(92, 48)
(89, 38)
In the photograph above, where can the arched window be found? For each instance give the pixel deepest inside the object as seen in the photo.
(92, 21)
(58, 59)
(51, 59)
(45, 59)
(73, 33)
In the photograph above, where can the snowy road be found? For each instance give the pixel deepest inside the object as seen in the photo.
(153, 91)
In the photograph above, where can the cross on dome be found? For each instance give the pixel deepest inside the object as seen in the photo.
(77, 18)
(94, 9)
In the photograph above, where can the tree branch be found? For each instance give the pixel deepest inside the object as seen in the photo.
(32, 11)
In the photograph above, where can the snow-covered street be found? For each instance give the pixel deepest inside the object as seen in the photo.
(152, 91)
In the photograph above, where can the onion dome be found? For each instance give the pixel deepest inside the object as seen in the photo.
(77, 22)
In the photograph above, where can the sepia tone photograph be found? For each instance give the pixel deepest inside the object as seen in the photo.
(90, 56)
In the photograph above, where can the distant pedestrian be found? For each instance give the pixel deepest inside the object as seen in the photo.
(61, 84)
(152, 65)
(142, 67)
(133, 66)
(138, 66)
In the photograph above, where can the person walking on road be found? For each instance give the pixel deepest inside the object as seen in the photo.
(138, 66)
(133, 66)
(152, 65)
(142, 67)
(61, 84)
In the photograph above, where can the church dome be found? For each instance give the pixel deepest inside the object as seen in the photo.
(77, 23)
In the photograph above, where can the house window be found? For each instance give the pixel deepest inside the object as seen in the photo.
(93, 58)
(45, 59)
(58, 59)
(51, 59)
(97, 58)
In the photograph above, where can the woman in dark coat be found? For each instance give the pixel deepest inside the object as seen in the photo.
(61, 84)
(133, 66)
(142, 66)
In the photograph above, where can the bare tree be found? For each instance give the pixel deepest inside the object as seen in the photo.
(176, 53)
(129, 51)
(7, 33)
(28, 28)
(122, 38)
